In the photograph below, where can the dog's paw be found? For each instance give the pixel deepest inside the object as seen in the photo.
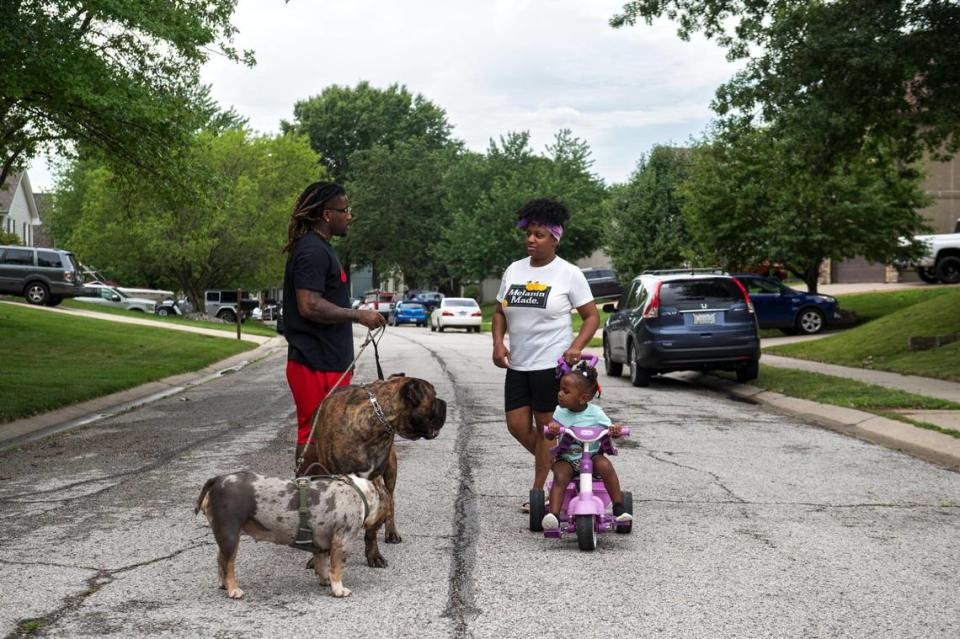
(392, 537)
(339, 591)
(236, 593)
(376, 560)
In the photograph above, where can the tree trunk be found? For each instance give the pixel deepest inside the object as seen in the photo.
(812, 278)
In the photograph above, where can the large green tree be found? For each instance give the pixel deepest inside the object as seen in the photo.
(225, 231)
(483, 193)
(343, 120)
(749, 198)
(876, 76)
(119, 76)
(646, 227)
(397, 199)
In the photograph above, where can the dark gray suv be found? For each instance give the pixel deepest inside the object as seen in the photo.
(682, 320)
(43, 276)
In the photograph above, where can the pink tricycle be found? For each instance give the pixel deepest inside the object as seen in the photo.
(585, 501)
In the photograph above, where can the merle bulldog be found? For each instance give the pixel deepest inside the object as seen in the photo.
(268, 509)
(354, 431)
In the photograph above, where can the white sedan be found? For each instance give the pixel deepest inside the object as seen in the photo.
(456, 312)
(109, 296)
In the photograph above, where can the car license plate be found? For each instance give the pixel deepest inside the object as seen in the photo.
(462, 313)
(704, 318)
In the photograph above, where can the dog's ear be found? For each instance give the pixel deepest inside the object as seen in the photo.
(414, 391)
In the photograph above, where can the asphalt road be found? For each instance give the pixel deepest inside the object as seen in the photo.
(748, 524)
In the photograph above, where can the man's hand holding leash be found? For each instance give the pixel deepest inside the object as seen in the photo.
(371, 319)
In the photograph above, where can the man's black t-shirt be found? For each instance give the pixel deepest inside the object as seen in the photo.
(313, 265)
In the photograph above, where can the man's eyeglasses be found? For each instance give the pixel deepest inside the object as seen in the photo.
(349, 209)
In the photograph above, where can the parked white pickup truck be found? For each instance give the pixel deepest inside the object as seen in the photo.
(942, 260)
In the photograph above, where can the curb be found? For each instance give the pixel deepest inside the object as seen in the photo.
(75, 416)
(927, 445)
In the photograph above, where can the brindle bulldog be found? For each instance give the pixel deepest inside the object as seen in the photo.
(353, 433)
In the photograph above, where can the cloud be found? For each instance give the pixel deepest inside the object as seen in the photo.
(494, 66)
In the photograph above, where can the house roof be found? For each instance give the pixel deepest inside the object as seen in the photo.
(8, 190)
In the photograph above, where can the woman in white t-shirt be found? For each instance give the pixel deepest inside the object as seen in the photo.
(537, 295)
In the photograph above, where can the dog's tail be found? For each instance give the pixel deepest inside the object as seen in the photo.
(203, 493)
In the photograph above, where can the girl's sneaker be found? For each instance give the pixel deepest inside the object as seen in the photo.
(624, 518)
(550, 522)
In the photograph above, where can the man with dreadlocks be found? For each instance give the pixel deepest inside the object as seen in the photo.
(316, 302)
(537, 295)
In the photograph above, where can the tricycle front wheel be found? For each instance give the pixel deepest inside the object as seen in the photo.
(586, 532)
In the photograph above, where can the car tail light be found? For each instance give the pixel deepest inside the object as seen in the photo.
(476, 314)
(746, 296)
(68, 276)
(447, 314)
(653, 310)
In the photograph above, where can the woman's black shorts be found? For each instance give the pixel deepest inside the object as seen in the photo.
(537, 389)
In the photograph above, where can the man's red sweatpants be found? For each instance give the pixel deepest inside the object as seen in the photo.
(309, 387)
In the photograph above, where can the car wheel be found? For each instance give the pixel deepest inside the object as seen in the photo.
(54, 300)
(228, 316)
(639, 376)
(948, 269)
(37, 293)
(810, 321)
(610, 367)
(749, 372)
(927, 275)
(163, 312)
(433, 329)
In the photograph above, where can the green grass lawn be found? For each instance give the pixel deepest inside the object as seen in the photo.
(848, 393)
(51, 360)
(881, 343)
(250, 326)
(871, 306)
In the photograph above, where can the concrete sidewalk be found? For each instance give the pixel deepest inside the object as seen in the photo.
(110, 317)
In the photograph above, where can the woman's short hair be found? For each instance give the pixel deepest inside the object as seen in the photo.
(544, 210)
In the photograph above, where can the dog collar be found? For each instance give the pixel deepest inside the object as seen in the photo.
(378, 411)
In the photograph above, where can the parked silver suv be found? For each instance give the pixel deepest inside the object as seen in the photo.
(41, 275)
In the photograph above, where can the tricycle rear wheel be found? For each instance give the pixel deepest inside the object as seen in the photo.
(624, 529)
(538, 510)
(586, 532)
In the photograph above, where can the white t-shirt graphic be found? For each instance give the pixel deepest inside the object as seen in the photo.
(537, 301)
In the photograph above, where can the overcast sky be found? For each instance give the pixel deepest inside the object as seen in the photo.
(493, 65)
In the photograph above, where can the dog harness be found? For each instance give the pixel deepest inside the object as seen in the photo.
(304, 540)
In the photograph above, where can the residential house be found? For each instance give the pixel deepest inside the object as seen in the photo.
(18, 209)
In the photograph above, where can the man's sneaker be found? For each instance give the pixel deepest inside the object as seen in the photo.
(550, 522)
(623, 518)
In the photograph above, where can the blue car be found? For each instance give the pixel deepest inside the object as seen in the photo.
(408, 313)
(791, 311)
